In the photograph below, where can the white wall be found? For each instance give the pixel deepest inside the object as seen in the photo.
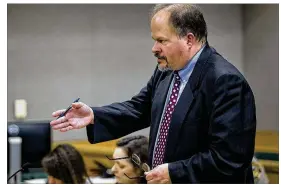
(225, 29)
(261, 61)
(100, 53)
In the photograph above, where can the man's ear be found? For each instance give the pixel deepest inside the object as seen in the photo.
(190, 39)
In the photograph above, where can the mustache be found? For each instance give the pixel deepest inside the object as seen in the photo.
(160, 57)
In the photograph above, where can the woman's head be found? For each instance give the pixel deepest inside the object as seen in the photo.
(126, 147)
(65, 165)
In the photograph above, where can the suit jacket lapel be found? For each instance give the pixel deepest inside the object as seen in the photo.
(184, 102)
(178, 116)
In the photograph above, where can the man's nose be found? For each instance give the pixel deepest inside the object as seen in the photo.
(155, 48)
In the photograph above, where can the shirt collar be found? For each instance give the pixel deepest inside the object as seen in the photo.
(188, 68)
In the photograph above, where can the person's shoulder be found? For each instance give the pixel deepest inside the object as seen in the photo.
(219, 66)
(218, 70)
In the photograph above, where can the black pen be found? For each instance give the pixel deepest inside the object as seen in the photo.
(64, 113)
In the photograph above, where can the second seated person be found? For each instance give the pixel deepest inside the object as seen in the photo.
(130, 160)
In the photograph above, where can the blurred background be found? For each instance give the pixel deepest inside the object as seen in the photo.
(102, 54)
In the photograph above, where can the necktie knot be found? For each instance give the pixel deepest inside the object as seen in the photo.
(177, 76)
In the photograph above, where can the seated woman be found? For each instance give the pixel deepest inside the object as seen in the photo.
(65, 165)
(130, 159)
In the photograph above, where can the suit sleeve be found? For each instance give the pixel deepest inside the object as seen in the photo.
(119, 119)
(231, 137)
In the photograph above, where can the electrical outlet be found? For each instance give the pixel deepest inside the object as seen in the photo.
(20, 109)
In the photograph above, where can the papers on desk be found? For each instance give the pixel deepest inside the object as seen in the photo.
(99, 180)
(36, 181)
(95, 180)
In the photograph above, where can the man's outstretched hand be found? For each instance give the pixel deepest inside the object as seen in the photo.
(79, 116)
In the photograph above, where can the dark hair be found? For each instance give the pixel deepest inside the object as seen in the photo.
(135, 145)
(66, 164)
(185, 18)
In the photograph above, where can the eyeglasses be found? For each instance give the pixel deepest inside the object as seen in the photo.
(115, 159)
(136, 159)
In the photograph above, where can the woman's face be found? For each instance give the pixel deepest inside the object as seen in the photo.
(124, 166)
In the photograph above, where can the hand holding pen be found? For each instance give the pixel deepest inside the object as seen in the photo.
(76, 116)
(68, 108)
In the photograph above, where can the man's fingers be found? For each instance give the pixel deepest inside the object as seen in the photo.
(149, 176)
(62, 125)
(56, 123)
(67, 128)
(151, 182)
(77, 105)
(58, 112)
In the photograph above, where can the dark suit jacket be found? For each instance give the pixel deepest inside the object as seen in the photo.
(212, 132)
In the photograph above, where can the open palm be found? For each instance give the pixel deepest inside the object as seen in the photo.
(79, 116)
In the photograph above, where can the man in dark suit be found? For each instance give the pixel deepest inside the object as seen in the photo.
(199, 107)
